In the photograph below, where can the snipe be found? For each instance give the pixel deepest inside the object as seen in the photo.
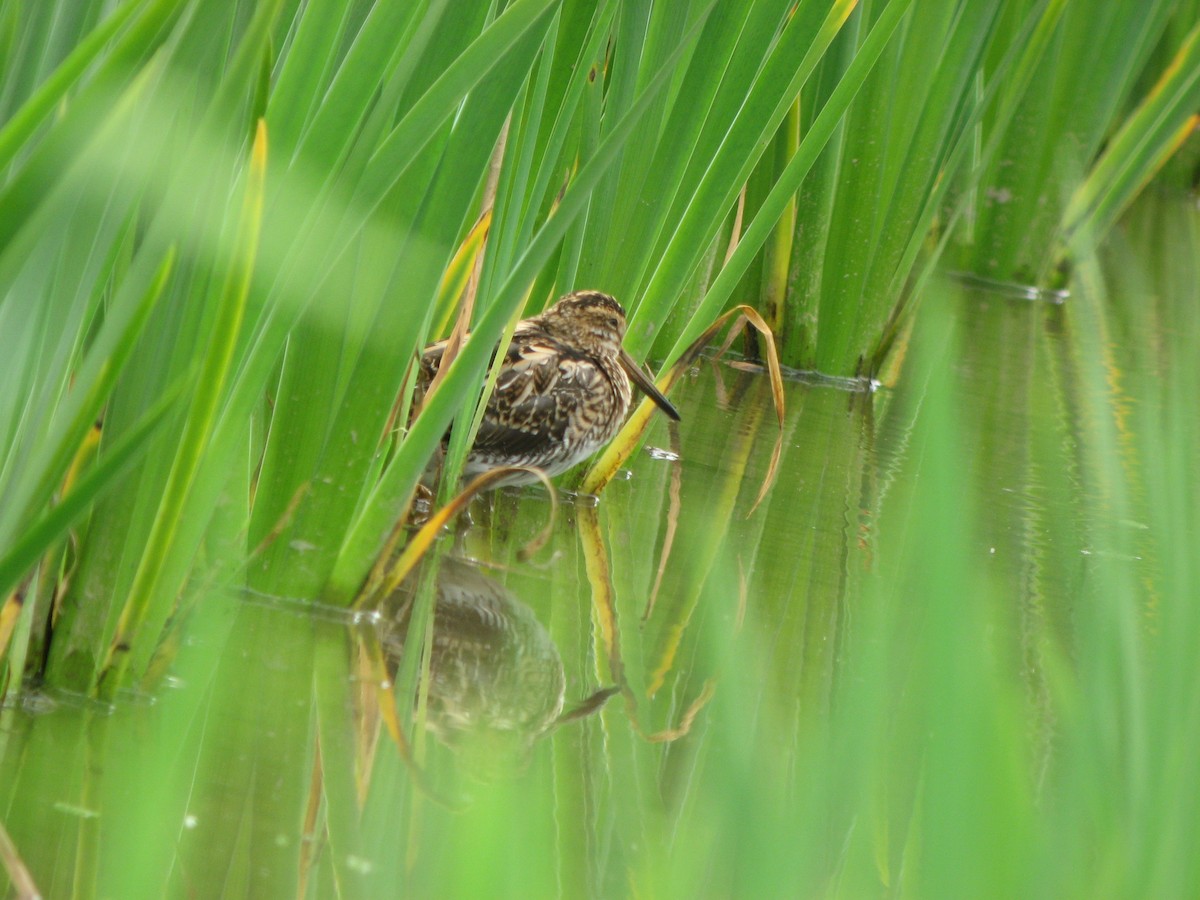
(563, 390)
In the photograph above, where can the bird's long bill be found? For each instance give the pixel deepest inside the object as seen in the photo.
(646, 385)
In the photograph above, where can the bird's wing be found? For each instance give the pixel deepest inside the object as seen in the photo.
(539, 387)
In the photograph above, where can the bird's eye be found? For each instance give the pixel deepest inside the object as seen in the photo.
(613, 322)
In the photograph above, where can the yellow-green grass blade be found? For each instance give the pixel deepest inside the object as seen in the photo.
(198, 426)
(1138, 150)
(45, 530)
(1077, 94)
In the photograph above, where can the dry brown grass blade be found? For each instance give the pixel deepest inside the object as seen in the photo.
(595, 558)
(386, 708)
(420, 543)
(83, 456)
(309, 845)
(466, 308)
(589, 706)
(372, 587)
(743, 597)
(623, 445)
(689, 716)
(285, 519)
(735, 234)
(605, 610)
(368, 717)
(20, 879)
(462, 275)
(749, 315)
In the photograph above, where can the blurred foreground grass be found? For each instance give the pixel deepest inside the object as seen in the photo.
(948, 656)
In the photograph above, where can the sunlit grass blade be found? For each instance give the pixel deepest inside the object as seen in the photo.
(211, 381)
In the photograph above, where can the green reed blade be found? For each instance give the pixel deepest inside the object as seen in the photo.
(216, 364)
(308, 65)
(917, 161)
(1138, 150)
(335, 123)
(374, 370)
(750, 133)
(421, 122)
(96, 376)
(46, 530)
(785, 188)
(20, 128)
(1076, 96)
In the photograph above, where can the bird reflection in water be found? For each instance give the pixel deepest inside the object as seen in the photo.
(496, 678)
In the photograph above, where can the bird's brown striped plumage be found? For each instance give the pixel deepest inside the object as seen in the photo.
(562, 392)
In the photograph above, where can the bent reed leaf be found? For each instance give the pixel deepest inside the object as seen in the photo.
(629, 437)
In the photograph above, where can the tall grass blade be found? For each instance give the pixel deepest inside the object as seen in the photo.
(798, 166)
(1162, 120)
(198, 427)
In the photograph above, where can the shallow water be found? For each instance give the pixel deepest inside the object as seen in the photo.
(262, 767)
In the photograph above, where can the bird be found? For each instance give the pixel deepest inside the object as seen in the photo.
(562, 392)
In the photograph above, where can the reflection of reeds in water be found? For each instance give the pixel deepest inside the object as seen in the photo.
(496, 678)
